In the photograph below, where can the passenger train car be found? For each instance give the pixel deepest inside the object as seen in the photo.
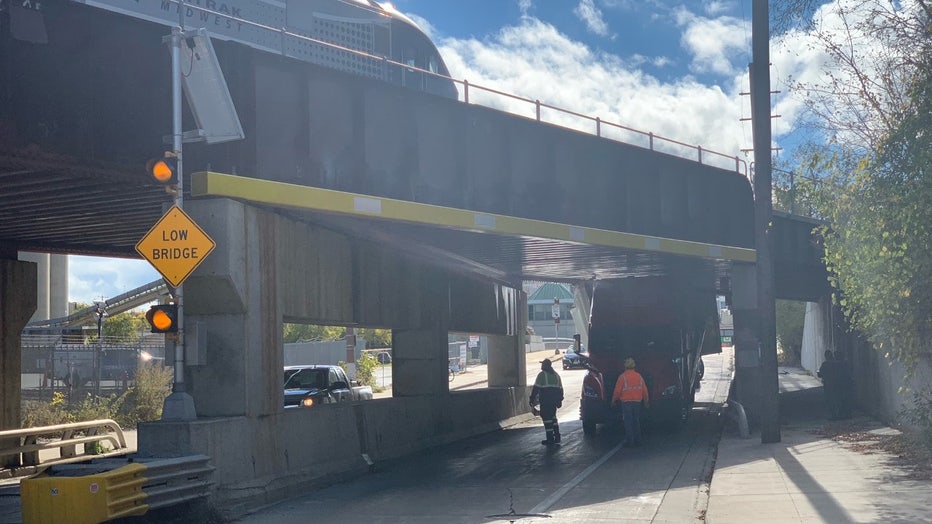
(291, 27)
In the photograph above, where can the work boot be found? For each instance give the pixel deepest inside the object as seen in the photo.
(546, 442)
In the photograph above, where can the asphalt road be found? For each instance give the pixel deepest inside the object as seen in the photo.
(508, 475)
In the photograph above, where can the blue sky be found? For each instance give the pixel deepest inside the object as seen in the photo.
(676, 69)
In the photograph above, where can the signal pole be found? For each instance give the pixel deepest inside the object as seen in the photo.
(179, 405)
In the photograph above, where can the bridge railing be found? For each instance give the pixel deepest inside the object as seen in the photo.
(29, 450)
(603, 128)
(596, 125)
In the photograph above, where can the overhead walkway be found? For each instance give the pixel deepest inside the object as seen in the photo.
(119, 304)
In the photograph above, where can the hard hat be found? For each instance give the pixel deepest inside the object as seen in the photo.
(629, 363)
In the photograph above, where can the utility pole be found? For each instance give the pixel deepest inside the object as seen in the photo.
(763, 218)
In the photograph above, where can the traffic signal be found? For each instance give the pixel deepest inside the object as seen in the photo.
(163, 318)
(164, 170)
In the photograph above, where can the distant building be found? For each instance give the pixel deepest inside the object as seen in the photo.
(542, 297)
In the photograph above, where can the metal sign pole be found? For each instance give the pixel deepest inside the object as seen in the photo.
(179, 405)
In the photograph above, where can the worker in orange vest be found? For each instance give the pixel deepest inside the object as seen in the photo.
(630, 391)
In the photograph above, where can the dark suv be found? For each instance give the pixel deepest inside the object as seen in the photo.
(572, 359)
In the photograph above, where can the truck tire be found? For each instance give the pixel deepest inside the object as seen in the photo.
(588, 427)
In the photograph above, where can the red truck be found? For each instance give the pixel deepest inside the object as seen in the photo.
(666, 324)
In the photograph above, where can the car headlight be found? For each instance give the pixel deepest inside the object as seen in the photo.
(589, 392)
(669, 390)
(307, 402)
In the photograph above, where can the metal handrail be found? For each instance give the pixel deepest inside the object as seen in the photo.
(739, 163)
(20, 449)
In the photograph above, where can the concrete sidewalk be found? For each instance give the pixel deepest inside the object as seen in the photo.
(808, 477)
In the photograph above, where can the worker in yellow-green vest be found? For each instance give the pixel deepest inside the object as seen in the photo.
(548, 393)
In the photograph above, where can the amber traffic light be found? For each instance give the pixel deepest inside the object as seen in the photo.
(163, 318)
(164, 170)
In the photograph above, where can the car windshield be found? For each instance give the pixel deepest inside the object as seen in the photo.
(305, 378)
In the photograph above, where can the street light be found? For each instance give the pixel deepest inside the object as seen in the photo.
(101, 313)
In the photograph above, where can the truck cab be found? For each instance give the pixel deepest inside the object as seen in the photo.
(666, 328)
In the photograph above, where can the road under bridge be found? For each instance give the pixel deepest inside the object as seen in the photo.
(350, 202)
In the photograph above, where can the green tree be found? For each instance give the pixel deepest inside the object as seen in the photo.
(311, 333)
(879, 248)
(125, 326)
(365, 369)
(791, 316)
(375, 338)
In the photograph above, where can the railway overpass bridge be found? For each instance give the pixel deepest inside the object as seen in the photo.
(349, 202)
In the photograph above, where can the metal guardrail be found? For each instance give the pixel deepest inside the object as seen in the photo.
(107, 489)
(174, 481)
(21, 449)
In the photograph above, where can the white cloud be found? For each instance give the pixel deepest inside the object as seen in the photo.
(717, 7)
(536, 61)
(93, 278)
(525, 7)
(715, 44)
(592, 16)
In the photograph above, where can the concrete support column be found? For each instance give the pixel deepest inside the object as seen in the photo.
(17, 304)
(747, 346)
(507, 361)
(419, 367)
(58, 286)
(507, 364)
(42, 261)
(817, 334)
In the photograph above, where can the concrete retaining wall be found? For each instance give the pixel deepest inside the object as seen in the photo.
(301, 449)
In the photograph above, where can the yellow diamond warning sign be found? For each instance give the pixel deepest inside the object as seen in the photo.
(175, 246)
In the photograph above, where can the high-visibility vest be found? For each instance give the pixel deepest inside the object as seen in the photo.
(630, 387)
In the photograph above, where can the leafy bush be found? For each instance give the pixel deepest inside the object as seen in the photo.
(94, 408)
(791, 317)
(141, 403)
(153, 385)
(36, 413)
(365, 369)
(919, 415)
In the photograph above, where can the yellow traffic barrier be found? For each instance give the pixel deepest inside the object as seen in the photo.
(84, 500)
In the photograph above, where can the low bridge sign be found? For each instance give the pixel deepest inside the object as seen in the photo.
(175, 246)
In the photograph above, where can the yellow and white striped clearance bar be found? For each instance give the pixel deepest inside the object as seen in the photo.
(206, 183)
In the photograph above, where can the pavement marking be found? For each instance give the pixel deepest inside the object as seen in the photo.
(558, 494)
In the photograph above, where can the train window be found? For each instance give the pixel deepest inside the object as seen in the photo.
(432, 64)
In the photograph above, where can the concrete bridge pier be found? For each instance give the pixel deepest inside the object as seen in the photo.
(507, 363)
(418, 365)
(270, 268)
(18, 301)
(745, 315)
(818, 334)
